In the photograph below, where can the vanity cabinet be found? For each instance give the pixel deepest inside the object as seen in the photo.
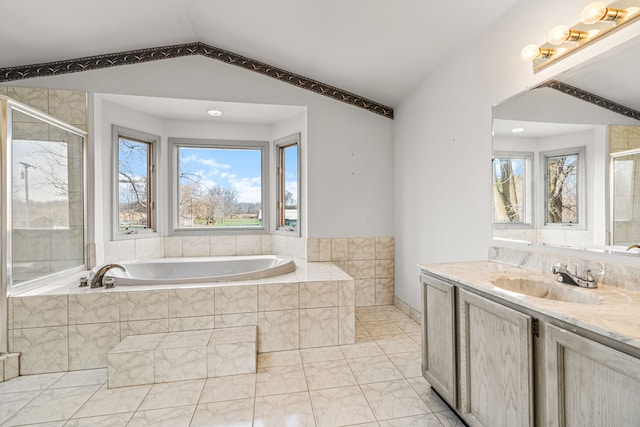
(483, 355)
(589, 384)
(439, 337)
(496, 359)
(477, 355)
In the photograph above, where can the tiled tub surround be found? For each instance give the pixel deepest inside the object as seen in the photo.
(8, 366)
(67, 328)
(370, 260)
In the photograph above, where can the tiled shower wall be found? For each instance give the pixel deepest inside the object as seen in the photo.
(370, 261)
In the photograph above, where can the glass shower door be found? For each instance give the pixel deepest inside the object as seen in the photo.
(625, 197)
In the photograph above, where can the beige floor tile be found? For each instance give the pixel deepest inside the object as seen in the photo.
(30, 383)
(397, 344)
(321, 354)
(232, 387)
(409, 364)
(280, 380)
(13, 402)
(394, 399)
(449, 419)
(279, 358)
(113, 401)
(374, 369)
(378, 330)
(284, 410)
(329, 374)
(114, 420)
(340, 407)
(426, 393)
(179, 416)
(80, 378)
(235, 413)
(365, 349)
(425, 420)
(53, 405)
(167, 395)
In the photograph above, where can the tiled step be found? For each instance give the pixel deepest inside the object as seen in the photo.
(178, 356)
(8, 366)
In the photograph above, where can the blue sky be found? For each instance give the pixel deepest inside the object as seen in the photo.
(234, 169)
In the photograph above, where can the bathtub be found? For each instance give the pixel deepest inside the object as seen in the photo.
(61, 327)
(163, 271)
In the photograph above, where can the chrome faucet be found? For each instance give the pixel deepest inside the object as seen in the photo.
(98, 279)
(565, 276)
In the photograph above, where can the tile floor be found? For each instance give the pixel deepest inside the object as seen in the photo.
(375, 382)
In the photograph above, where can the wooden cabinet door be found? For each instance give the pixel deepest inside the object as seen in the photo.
(495, 352)
(589, 384)
(438, 337)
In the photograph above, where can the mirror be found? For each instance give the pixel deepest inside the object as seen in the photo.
(566, 157)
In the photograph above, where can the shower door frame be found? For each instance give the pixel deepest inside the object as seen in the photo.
(7, 106)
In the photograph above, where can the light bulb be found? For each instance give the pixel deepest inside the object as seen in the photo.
(593, 12)
(214, 113)
(558, 35)
(530, 52)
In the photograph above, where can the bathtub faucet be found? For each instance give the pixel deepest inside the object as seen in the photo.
(98, 278)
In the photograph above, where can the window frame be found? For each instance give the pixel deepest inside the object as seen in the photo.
(581, 184)
(279, 147)
(175, 144)
(528, 184)
(152, 162)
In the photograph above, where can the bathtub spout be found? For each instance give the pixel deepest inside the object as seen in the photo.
(98, 278)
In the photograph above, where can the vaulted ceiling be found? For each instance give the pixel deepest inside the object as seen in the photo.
(379, 49)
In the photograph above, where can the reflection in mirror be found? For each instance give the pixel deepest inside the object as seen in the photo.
(581, 188)
(625, 185)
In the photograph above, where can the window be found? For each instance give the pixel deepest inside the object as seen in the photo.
(288, 183)
(563, 172)
(135, 181)
(512, 188)
(219, 185)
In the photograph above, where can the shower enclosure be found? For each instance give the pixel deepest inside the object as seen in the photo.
(42, 200)
(625, 200)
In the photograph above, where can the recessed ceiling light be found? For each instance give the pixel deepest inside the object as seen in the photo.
(517, 130)
(214, 113)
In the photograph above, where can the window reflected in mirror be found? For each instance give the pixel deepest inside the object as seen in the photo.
(509, 196)
(561, 183)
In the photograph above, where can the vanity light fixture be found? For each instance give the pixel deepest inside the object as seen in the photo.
(562, 33)
(214, 113)
(596, 20)
(532, 51)
(598, 11)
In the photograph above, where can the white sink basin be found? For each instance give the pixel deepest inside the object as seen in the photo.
(547, 290)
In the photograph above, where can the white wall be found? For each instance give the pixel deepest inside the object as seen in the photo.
(101, 170)
(442, 138)
(348, 149)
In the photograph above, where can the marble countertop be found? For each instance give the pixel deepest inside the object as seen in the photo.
(612, 312)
